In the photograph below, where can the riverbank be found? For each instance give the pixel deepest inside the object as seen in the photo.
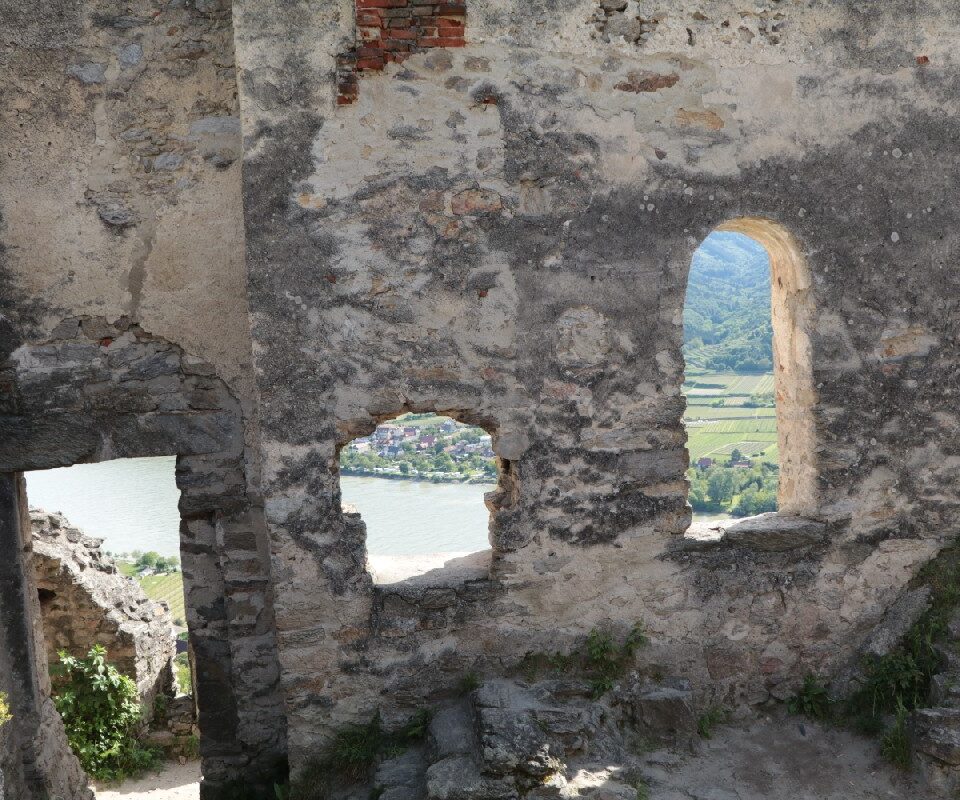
(422, 477)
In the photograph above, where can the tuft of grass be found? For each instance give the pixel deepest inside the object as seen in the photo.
(642, 789)
(469, 683)
(895, 744)
(812, 700)
(709, 719)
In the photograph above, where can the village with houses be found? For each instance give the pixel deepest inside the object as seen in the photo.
(423, 447)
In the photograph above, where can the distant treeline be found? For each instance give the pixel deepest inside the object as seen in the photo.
(739, 491)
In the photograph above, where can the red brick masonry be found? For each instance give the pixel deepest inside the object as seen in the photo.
(393, 30)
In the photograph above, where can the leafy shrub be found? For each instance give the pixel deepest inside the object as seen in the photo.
(812, 700)
(181, 664)
(5, 715)
(101, 713)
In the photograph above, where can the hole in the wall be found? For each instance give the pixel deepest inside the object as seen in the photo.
(749, 383)
(112, 592)
(425, 485)
(46, 597)
(390, 31)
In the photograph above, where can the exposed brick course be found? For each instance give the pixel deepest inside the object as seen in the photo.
(393, 30)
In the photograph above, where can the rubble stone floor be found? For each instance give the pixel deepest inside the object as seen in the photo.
(781, 757)
(174, 782)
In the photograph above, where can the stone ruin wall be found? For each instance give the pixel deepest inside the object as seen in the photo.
(85, 601)
(502, 232)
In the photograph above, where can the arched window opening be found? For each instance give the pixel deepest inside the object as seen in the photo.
(424, 484)
(106, 563)
(748, 377)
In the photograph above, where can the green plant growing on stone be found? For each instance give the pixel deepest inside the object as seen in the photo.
(181, 664)
(469, 683)
(416, 728)
(812, 699)
(602, 659)
(349, 756)
(102, 716)
(533, 665)
(709, 719)
(901, 679)
(192, 747)
(160, 706)
(642, 789)
(607, 659)
(5, 715)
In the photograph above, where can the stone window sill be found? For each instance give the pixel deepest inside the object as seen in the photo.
(435, 570)
(772, 533)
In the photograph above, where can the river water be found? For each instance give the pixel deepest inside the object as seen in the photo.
(132, 505)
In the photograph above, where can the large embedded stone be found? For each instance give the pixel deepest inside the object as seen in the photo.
(451, 732)
(665, 713)
(402, 777)
(935, 732)
(945, 690)
(459, 778)
(897, 621)
(775, 532)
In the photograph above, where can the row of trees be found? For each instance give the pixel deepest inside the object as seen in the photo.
(412, 462)
(739, 491)
(150, 560)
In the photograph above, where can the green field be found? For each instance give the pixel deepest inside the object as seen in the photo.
(704, 411)
(168, 588)
(717, 432)
(721, 384)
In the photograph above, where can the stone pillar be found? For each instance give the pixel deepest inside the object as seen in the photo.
(35, 759)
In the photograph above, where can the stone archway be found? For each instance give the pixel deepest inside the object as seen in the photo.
(97, 391)
(792, 312)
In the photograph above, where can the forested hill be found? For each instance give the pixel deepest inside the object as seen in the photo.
(726, 318)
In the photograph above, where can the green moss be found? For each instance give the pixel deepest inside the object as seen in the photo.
(5, 715)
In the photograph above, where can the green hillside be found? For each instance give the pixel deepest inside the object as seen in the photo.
(726, 318)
